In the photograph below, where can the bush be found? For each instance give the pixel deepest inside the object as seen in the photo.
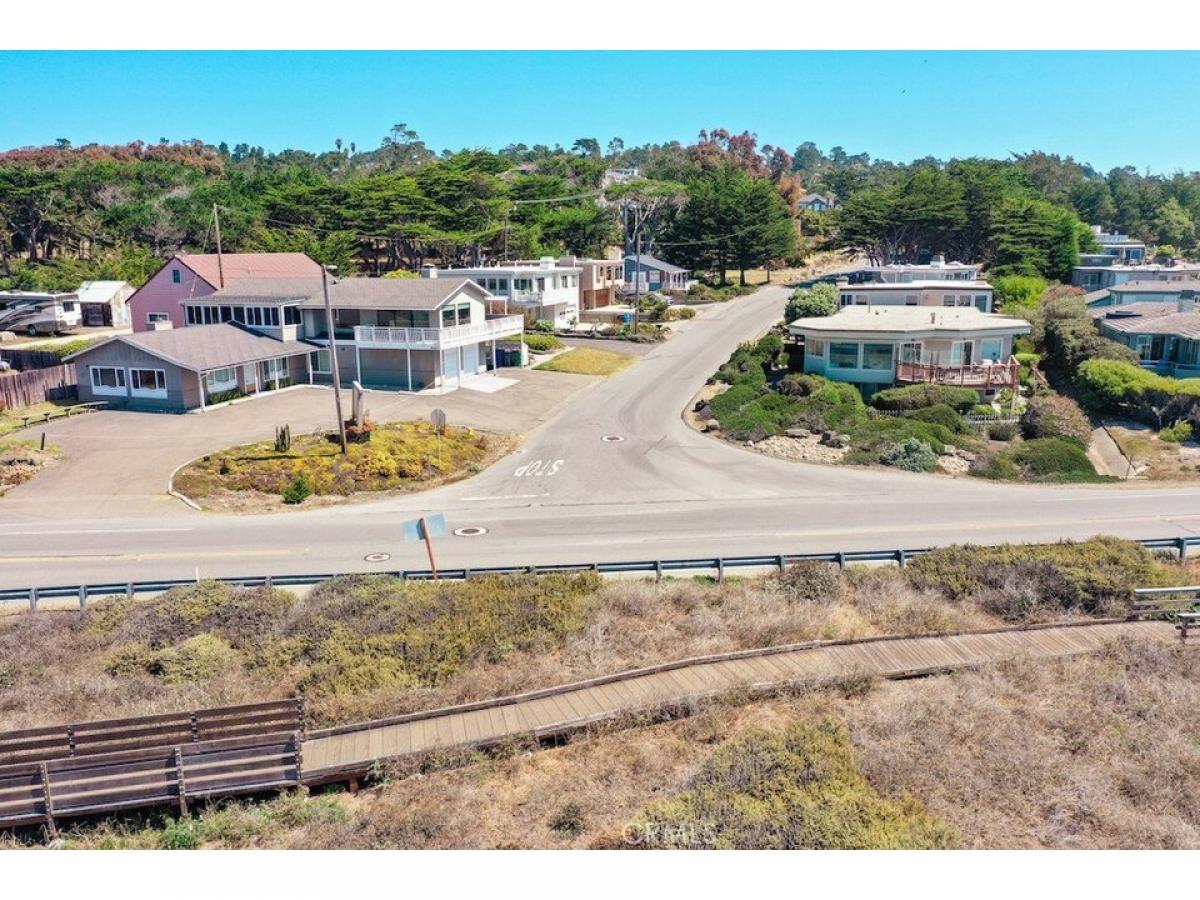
(811, 581)
(297, 491)
(795, 789)
(873, 435)
(1177, 433)
(569, 821)
(917, 396)
(545, 326)
(939, 414)
(911, 454)
(1053, 458)
(685, 313)
(1002, 431)
(1094, 576)
(198, 658)
(1113, 386)
(542, 343)
(1016, 294)
(819, 300)
(983, 409)
(1055, 416)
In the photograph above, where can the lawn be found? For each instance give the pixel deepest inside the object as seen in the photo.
(399, 456)
(14, 419)
(586, 361)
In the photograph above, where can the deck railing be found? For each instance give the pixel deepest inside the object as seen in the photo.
(976, 375)
(381, 335)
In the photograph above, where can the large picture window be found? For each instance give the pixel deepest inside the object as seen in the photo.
(108, 380)
(148, 382)
(877, 357)
(991, 348)
(221, 380)
(843, 356)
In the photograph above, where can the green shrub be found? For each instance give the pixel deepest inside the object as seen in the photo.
(545, 326)
(1016, 294)
(983, 409)
(917, 396)
(298, 490)
(996, 466)
(1002, 431)
(819, 300)
(1177, 433)
(198, 658)
(542, 343)
(874, 434)
(795, 789)
(911, 453)
(1055, 416)
(1095, 576)
(182, 834)
(685, 312)
(1112, 386)
(939, 414)
(1054, 458)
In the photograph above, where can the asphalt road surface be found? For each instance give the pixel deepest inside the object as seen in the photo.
(654, 489)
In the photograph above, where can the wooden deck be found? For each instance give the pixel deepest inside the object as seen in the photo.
(351, 749)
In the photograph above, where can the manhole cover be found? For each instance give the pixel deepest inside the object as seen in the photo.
(471, 531)
(612, 439)
(377, 557)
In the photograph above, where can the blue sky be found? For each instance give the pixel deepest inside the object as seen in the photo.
(1105, 108)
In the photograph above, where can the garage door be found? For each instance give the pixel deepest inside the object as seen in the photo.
(449, 366)
(470, 359)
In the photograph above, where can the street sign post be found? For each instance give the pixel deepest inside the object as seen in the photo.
(425, 529)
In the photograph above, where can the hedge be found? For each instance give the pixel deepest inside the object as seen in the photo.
(917, 396)
(1112, 386)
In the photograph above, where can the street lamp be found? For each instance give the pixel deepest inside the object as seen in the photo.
(334, 370)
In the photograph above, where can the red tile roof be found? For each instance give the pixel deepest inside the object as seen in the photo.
(237, 266)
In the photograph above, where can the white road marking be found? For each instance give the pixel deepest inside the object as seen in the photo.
(504, 497)
(538, 468)
(94, 531)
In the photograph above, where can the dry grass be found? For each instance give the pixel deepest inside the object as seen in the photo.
(1156, 459)
(588, 361)
(21, 460)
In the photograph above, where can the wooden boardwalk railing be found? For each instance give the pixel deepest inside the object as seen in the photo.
(57, 775)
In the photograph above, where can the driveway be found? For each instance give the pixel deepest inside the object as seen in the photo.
(119, 463)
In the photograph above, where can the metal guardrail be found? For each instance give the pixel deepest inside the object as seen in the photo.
(718, 565)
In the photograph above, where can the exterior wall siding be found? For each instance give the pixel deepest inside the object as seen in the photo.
(183, 390)
(161, 294)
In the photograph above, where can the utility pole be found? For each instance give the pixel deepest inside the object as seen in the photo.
(637, 269)
(217, 229)
(333, 361)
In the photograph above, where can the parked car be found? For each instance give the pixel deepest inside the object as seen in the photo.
(40, 316)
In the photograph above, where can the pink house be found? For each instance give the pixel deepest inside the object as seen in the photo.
(190, 275)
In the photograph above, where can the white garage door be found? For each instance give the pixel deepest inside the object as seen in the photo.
(449, 366)
(470, 359)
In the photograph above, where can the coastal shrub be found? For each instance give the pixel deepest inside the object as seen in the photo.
(1017, 294)
(1002, 431)
(1096, 575)
(1112, 386)
(298, 490)
(812, 581)
(799, 788)
(1055, 416)
(819, 300)
(939, 414)
(1054, 458)
(911, 454)
(1177, 433)
(542, 343)
(873, 435)
(917, 396)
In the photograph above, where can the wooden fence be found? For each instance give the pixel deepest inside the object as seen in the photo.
(21, 389)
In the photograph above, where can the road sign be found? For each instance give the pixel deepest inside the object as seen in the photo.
(426, 527)
(438, 418)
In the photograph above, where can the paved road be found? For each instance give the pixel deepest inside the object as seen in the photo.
(567, 496)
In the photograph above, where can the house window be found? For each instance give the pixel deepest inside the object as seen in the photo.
(861, 299)
(152, 317)
(275, 373)
(192, 313)
(1143, 345)
(220, 380)
(226, 313)
(843, 356)
(291, 315)
(947, 300)
(877, 357)
(991, 348)
(176, 276)
(846, 299)
(147, 383)
(108, 380)
(911, 300)
(981, 302)
(814, 347)
(319, 361)
(964, 300)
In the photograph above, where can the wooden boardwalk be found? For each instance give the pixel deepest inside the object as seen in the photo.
(350, 750)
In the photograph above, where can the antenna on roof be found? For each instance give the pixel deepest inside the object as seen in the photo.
(217, 228)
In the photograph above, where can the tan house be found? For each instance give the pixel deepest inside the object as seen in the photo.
(878, 346)
(600, 280)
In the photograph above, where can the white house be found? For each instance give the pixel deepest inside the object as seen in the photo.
(945, 294)
(105, 303)
(542, 290)
(937, 269)
(1098, 277)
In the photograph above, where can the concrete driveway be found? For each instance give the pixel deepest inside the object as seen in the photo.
(118, 462)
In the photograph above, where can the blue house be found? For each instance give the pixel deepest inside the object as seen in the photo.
(655, 275)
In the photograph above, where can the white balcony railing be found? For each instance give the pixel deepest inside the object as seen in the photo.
(435, 338)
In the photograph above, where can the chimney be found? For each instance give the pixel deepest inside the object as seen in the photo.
(429, 272)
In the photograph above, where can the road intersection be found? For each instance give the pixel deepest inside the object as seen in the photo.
(616, 474)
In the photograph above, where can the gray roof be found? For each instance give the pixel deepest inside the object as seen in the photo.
(259, 289)
(1181, 324)
(655, 263)
(1156, 286)
(394, 293)
(201, 348)
(1142, 309)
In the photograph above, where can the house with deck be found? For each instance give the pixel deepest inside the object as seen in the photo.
(816, 203)
(265, 334)
(189, 276)
(1100, 277)
(881, 346)
(600, 280)
(1114, 248)
(1166, 336)
(652, 274)
(937, 269)
(541, 290)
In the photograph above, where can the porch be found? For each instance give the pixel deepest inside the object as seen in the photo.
(986, 376)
